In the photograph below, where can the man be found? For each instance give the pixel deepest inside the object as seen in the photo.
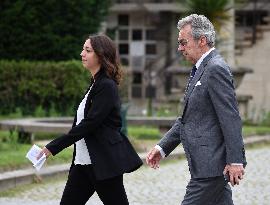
(210, 126)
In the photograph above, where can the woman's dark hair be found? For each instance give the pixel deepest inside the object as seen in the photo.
(108, 56)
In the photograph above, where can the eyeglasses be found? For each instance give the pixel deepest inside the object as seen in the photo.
(183, 42)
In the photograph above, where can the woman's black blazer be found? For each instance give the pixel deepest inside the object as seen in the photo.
(110, 151)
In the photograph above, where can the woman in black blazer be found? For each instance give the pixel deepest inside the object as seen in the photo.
(102, 154)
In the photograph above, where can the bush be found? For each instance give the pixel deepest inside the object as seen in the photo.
(143, 132)
(48, 30)
(266, 119)
(32, 88)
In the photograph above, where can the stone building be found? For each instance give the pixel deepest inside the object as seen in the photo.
(146, 35)
(252, 50)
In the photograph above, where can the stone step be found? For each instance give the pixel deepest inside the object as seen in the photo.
(238, 51)
(266, 19)
(249, 36)
(243, 44)
(263, 28)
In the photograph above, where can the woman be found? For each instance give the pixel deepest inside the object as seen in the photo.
(102, 154)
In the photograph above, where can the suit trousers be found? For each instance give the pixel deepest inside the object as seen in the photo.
(208, 191)
(82, 184)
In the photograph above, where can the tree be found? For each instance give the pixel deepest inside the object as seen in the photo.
(48, 30)
(215, 10)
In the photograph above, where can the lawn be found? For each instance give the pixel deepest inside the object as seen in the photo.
(12, 154)
(255, 130)
(151, 133)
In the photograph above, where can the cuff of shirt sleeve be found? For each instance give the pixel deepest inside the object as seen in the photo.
(161, 151)
(236, 163)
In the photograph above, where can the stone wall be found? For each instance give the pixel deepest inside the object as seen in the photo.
(257, 83)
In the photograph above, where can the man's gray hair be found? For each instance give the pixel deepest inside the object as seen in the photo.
(201, 26)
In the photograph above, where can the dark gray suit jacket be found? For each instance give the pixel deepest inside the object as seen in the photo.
(210, 127)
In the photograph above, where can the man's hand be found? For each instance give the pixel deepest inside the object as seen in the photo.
(153, 158)
(44, 151)
(235, 172)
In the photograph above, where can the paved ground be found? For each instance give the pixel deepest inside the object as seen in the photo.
(165, 186)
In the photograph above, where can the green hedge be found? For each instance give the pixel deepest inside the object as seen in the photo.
(29, 86)
(48, 30)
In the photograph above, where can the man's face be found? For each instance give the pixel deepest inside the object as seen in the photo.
(188, 46)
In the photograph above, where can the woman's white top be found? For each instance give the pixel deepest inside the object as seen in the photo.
(82, 155)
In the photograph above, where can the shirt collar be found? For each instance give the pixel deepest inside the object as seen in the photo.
(203, 56)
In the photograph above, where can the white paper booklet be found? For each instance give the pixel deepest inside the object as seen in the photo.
(32, 156)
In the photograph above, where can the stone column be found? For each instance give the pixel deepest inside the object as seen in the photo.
(227, 37)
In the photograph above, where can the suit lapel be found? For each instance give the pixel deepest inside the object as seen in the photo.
(89, 99)
(92, 92)
(197, 76)
(193, 82)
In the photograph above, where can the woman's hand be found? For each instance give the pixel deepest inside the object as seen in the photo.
(44, 151)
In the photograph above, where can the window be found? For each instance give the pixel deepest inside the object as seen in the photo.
(151, 34)
(123, 20)
(123, 34)
(137, 63)
(137, 35)
(136, 88)
(137, 48)
(111, 33)
(123, 48)
(124, 61)
(137, 78)
(149, 62)
(151, 49)
(136, 91)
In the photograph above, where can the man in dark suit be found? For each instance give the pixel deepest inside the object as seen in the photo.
(210, 126)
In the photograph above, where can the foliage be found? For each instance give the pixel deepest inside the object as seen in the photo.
(255, 130)
(17, 114)
(10, 138)
(39, 112)
(124, 84)
(12, 154)
(48, 30)
(11, 158)
(143, 132)
(38, 88)
(164, 111)
(215, 10)
(266, 119)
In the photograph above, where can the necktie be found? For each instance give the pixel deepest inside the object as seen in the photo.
(192, 73)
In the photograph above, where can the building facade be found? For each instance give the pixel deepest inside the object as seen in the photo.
(146, 36)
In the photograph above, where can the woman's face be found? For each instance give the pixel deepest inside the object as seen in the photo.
(89, 58)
